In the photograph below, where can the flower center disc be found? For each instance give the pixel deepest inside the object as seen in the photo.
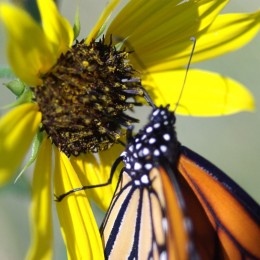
(84, 96)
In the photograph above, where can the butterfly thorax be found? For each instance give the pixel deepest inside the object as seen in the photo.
(155, 142)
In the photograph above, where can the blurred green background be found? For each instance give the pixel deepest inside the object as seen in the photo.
(231, 142)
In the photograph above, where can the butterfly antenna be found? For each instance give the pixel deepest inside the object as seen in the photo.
(193, 39)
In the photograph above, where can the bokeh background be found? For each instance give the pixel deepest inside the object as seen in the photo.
(231, 142)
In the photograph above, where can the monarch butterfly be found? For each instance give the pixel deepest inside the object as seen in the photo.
(170, 203)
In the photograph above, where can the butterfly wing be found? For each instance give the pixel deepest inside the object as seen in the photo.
(147, 222)
(180, 242)
(180, 208)
(234, 216)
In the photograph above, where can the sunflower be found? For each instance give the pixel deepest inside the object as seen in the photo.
(72, 97)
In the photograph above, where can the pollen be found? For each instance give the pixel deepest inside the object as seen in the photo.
(84, 97)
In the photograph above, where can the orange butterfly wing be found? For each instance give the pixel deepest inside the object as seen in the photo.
(173, 204)
(232, 213)
(179, 236)
(139, 224)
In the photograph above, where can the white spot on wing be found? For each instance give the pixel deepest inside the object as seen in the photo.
(143, 137)
(148, 166)
(146, 151)
(155, 113)
(152, 140)
(138, 146)
(164, 224)
(162, 112)
(188, 224)
(123, 154)
(137, 182)
(163, 148)
(131, 148)
(166, 137)
(149, 129)
(156, 152)
(144, 179)
(137, 166)
(163, 255)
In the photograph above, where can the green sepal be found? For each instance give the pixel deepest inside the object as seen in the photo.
(37, 140)
(25, 97)
(6, 73)
(76, 26)
(16, 87)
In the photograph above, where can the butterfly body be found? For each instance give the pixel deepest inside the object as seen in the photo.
(170, 203)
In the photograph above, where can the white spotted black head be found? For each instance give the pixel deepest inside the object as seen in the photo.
(154, 144)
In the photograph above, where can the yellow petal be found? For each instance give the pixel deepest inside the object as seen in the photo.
(17, 129)
(57, 29)
(41, 205)
(92, 172)
(227, 33)
(205, 93)
(78, 225)
(156, 29)
(102, 20)
(28, 57)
